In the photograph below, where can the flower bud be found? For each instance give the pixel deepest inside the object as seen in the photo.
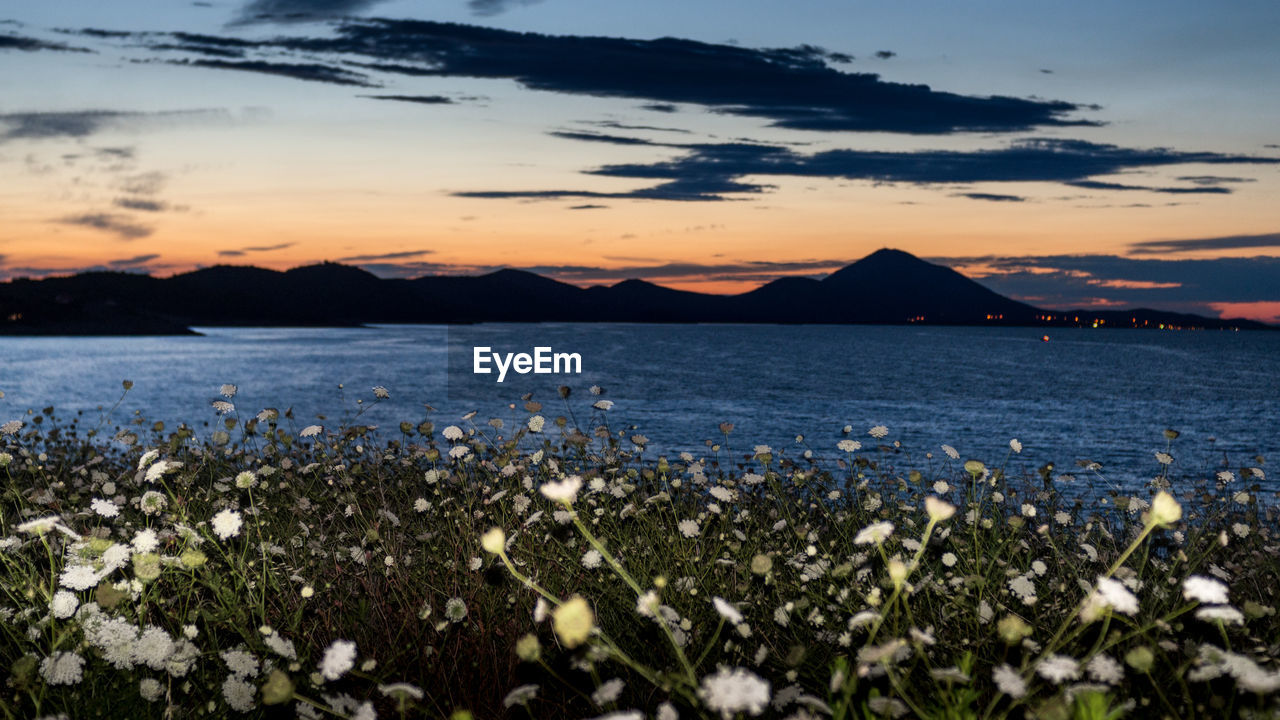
(494, 541)
(1164, 509)
(939, 510)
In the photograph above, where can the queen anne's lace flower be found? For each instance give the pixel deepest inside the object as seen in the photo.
(731, 691)
(1009, 681)
(1201, 589)
(226, 524)
(873, 534)
(1115, 594)
(338, 659)
(1057, 669)
(62, 668)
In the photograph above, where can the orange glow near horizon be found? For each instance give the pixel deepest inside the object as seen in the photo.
(284, 209)
(1267, 312)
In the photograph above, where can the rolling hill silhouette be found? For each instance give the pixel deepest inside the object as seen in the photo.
(886, 287)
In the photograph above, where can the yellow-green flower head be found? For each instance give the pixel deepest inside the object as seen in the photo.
(494, 541)
(1164, 509)
(573, 621)
(938, 510)
(193, 559)
(277, 689)
(528, 648)
(146, 566)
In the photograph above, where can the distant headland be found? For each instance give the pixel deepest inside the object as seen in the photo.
(886, 287)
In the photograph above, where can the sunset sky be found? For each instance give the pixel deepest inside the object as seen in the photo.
(1067, 154)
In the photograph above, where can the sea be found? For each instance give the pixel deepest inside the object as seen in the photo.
(1080, 396)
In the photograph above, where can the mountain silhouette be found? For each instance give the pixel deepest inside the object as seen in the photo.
(886, 287)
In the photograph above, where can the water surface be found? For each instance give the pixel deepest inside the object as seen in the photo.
(1102, 395)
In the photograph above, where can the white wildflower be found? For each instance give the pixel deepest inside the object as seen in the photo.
(565, 491)
(1105, 669)
(873, 534)
(226, 524)
(608, 691)
(64, 604)
(338, 659)
(1117, 595)
(1009, 681)
(731, 691)
(1058, 669)
(1206, 590)
(520, 695)
(238, 693)
(726, 610)
(1220, 613)
(78, 577)
(62, 668)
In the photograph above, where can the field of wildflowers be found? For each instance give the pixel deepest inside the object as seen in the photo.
(546, 564)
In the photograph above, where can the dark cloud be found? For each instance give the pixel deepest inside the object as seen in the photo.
(622, 126)
(415, 269)
(604, 138)
(387, 256)
(588, 207)
(993, 197)
(1199, 188)
(489, 8)
(29, 44)
(147, 183)
(1214, 179)
(1228, 242)
(99, 33)
(660, 107)
(118, 153)
(1065, 281)
(397, 68)
(747, 270)
(885, 54)
(141, 204)
(120, 225)
(710, 171)
(791, 87)
(314, 72)
(83, 123)
(254, 249)
(692, 189)
(134, 261)
(59, 124)
(294, 11)
(424, 99)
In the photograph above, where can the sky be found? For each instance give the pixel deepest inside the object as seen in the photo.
(1089, 154)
